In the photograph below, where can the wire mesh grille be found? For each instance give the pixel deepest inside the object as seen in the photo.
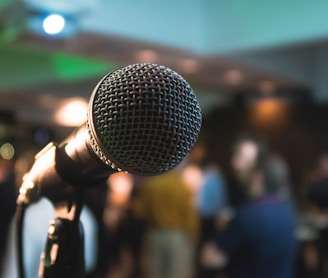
(145, 119)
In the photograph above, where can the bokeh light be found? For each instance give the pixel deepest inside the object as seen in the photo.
(7, 151)
(53, 24)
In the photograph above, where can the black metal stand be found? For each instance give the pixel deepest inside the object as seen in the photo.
(63, 255)
(64, 252)
(49, 177)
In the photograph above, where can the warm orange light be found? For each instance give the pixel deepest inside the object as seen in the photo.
(147, 55)
(193, 177)
(189, 65)
(121, 185)
(234, 76)
(268, 108)
(72, 113)
(269, 112)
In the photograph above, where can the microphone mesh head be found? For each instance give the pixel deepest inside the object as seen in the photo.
(143, 119)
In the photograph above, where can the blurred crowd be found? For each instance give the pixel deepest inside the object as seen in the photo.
(195, 221)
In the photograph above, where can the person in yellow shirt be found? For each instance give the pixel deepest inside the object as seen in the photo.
(166, 205)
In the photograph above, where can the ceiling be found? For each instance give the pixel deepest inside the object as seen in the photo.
(221, 47)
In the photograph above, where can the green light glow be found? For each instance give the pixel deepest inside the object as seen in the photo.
(70, 67)
(22, 66)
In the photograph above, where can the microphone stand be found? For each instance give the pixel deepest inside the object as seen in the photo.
(56, 174)
(63, 255)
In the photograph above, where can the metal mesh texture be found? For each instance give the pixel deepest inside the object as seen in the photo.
(143, 119)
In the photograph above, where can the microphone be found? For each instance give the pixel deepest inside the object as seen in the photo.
(142, 119)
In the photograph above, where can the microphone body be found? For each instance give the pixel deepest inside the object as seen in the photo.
(142, 119)
(59, 169)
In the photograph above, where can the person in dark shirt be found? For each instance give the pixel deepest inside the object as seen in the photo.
(317, 190)
(260, 239)
(316, 200)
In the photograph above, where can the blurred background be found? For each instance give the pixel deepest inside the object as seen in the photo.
(255, 66)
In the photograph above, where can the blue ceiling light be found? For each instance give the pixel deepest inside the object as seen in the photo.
(57, 19)
(53, 24)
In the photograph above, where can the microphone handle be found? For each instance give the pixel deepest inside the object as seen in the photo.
(59, 170)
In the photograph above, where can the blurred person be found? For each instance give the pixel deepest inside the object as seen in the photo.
(95, 200)
(316, 196)
(248, 152)
(8, 195)
(36, 223)
(317, 189)
(209, 187)
(211, 201)
(119, 224)
(260, 239)
(166, 205)
(210, 197)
